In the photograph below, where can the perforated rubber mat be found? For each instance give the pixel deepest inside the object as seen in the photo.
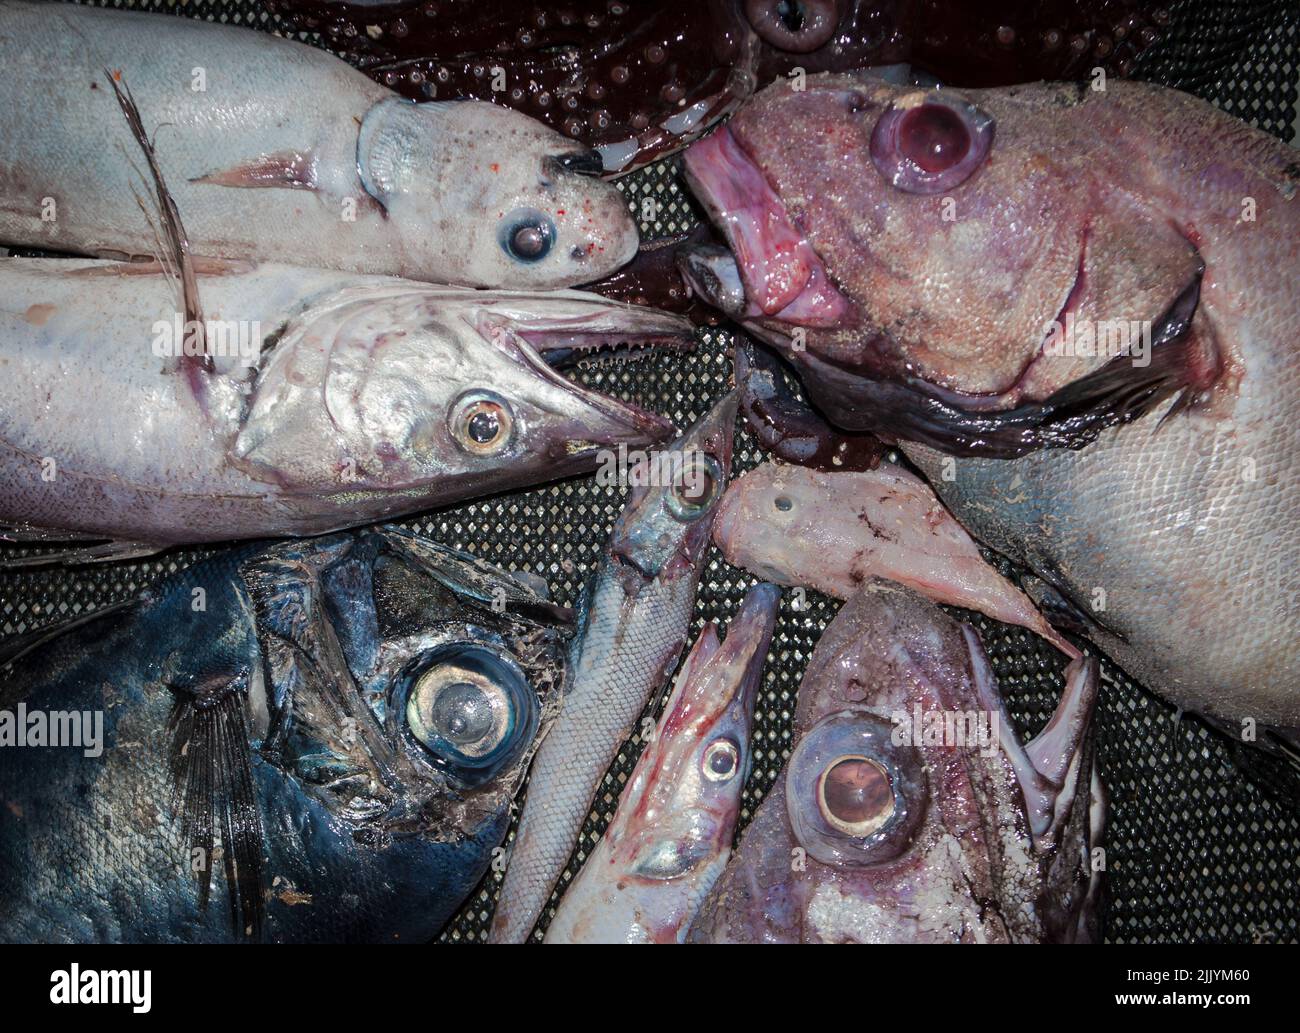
(1203, 841)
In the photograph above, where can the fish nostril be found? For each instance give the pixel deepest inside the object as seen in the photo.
(581, 163)
(578, 253)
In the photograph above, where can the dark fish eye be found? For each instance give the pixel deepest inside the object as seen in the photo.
(527, 235)
(798, 26)
(696, 488)
(481, 423)
(470, 708)
(932, 146)
(853, 796)
(721, 760)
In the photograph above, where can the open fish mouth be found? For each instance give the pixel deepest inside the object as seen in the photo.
(773, 271)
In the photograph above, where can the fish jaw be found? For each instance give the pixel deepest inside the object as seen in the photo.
(370, 397)
(526, 203)
(967, 326)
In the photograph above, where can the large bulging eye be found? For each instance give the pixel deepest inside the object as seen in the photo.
(471, 709)
(721, 761)
(933, 146)
(481, 423)
(527, 235)
(696, 487)
(853, 796)
(795, 25)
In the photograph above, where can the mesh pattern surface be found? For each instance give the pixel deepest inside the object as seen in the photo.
(1203, 841)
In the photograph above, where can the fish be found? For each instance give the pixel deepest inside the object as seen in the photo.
(671, 836)
(833, 531)
(332, 400)
(334, 728)
(279, 152)
(640, 81)
(1074, 313)
(908, 810)
(633, 620)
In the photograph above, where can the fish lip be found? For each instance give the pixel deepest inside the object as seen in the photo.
(598, 324)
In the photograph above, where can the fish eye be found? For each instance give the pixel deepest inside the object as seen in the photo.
(527, 235)
(696, 488)
(933, 146)
(470, 708)
(795, 25)
(721, 760)
(853, 796)
(481, 423)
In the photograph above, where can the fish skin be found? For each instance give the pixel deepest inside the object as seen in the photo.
(364, 837)
(970, 870)
(263, 160)
(671, 836)
(345, 417)
(1180, 523)
(833, 531)
(632, 625)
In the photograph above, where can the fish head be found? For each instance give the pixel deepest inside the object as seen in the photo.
(678, 815)
(388, 395)
(665, 524)
(405, 692)
(962, 267)
(908, 810)
(526, 204)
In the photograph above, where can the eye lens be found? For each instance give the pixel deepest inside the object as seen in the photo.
(721, 760)
(933, 137)
(856, 795)
(527, 235)
(481, 423)
(696, 488)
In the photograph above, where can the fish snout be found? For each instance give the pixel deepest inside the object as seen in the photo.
(712, 273)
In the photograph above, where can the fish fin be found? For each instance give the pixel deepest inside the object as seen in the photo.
(212, 792)
(103, 552)
(291, 170)
(14, 647)
(175, 251)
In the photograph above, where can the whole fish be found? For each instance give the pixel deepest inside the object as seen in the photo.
(336, 727)
(833, 531)
(671, 836)
(276, 151)
(1075, 309)
(332, 399)
(908, 810)
(632, 625)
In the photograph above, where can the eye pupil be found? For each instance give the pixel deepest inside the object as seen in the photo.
(934, 137)
(462, 713)
(783, 504)
(858, 794)
(529, 241)
(484, 426)
(791, 15)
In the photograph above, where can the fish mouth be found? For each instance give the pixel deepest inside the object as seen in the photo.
(773, 272)
(555, 331)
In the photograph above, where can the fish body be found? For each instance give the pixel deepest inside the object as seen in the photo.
(886, 826)
(315, 741)
(632, 625)
(670, 838)
(276, 151)
(334, 399)
(833, 531)
(1076, 315)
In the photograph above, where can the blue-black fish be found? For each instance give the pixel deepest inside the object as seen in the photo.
(334, 728)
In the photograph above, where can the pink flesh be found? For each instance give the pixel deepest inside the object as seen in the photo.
(782, 274)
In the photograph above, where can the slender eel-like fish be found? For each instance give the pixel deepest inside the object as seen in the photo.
(633, 622)
(671, 837)
(277, 151)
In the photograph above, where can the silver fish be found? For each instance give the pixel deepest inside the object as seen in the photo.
(671, 836)
(632, 625)
(358, 398)
(276, 151)
(908, 810)
(833, 531)
(1077, 314)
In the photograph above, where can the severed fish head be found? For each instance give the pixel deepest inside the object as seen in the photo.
(973, 269)
(386, 399)
(514, 202)
(908, 810)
